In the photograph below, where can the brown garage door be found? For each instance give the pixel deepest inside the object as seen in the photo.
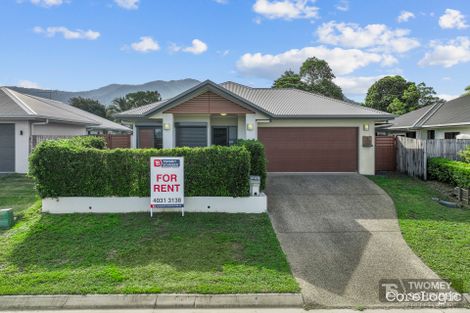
(310, 149)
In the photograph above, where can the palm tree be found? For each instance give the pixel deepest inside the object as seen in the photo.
(119, 105)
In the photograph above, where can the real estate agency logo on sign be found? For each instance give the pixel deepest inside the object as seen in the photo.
(166, 183)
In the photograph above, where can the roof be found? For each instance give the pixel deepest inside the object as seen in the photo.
(16, 105)
(276, 103)
(451, 113)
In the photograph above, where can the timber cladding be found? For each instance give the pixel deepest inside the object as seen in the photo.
(209, 102)
(310, 149)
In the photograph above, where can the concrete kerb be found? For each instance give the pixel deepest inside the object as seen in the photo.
(150, 301)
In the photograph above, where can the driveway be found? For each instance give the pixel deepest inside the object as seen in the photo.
(341, 237)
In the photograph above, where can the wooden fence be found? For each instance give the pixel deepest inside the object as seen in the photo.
(112, 141)
(412, 154)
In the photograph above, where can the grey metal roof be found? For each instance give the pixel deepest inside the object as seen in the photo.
(276, 103)
(15, 105)
(453, 112)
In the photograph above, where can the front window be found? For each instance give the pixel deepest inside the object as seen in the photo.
(150, 137)
(431, 134)
(451, 135)
(224, 135)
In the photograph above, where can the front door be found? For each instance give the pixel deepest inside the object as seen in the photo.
(224, 135)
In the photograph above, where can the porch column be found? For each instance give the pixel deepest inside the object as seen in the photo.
(251, 128)
(134, 137)
(168, 130)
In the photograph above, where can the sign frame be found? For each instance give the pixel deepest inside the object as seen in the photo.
(166, 183)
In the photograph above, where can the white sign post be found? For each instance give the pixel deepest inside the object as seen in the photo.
(166, 183)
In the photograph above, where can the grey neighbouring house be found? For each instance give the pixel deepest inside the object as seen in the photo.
(449, 120)
(25, 117)
(301, 131)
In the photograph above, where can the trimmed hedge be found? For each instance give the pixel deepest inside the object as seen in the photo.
(448, 171)
(64, 168)
(85, 142)
(258, 158)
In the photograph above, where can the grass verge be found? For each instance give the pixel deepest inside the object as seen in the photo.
(132, 253)
(440, 236)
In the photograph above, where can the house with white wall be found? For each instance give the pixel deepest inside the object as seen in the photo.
(301, 131)
(23, 118)
(449, 120)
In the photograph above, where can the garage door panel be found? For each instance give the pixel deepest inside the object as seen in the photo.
(310, 149)
(7, 147)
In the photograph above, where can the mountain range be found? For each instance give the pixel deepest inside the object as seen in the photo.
(107, 94)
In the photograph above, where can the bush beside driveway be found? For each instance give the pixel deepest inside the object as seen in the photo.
(440, 236)
(132, 253)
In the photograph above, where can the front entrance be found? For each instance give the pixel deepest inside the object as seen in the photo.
(224, 135)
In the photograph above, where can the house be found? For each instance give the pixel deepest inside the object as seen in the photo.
(25, 118)
(440, 121)
(301, 131)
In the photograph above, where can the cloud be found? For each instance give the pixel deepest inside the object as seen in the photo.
(221, 1)
(447, 97)
(223, 53)
(28, 84)
(356, 85)
(377, 37)
(342, 61)
(67, 33)
(197, 47)
(47, 3)
(145, 45)
(343, 5)
(128, 4)
(447, 54)
(452, 19)
(286, 9)
(405, 16)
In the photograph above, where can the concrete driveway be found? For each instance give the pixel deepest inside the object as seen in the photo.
(341, 237)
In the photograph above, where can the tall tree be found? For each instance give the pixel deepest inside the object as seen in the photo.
(89, 105)
(290, 80)
(133, 100)
(315, 76)
(382, 93)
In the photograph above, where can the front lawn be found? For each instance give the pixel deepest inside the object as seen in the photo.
(440, 236)
(16, 192)
(132, 253)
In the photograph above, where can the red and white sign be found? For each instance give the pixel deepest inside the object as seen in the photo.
(167, 182)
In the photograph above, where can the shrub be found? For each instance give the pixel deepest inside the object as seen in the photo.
(448, 171)
(465, 154)
(258, 159)
(87, 142)
(64, 168)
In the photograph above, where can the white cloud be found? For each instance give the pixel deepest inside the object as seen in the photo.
(67, 33)
(452, 19)
(47, 3)
(197, 47)
(221, 1)
(128, 4)
(286, 9)
(343, 5)
(377, 37)
(223, 53)
(447, 97)
(342, 61)
(405, 16)
(145, 45)
(447, 54)
(28, 84)
(356, 85)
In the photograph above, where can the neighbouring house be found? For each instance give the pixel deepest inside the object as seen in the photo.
(301, 131)
(440, 121)
(25, 119)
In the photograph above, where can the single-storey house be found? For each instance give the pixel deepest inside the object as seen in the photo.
(301, 131)
(440, 121)
(24, 118)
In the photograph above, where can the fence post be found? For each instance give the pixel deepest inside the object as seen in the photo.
(425, 159)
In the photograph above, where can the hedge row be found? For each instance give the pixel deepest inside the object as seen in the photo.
(448, 171)
(258, 159)
(65, 168)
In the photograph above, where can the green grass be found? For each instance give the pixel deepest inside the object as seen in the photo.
(440, 236)
(16, 192)
(133, 253)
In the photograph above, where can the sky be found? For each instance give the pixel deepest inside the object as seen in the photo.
(79, 45)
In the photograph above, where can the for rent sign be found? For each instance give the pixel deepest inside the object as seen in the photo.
(167, 182)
